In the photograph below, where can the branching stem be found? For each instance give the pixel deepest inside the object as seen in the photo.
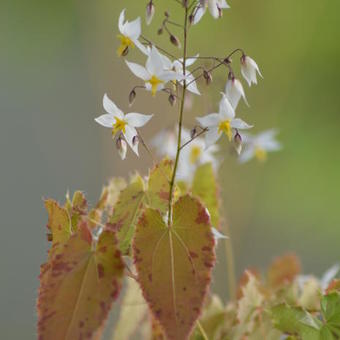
(180, 120)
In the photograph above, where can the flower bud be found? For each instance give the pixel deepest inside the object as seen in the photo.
(160, 31)
(191, 19)
(207, 76)
(172, 99)
(121, 147)
(167, 14)
(193, 133)
(150, 12)
(174, 40)
(238, 143)
(135, 140)
(132, 97)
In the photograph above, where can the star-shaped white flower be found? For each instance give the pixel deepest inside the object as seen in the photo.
(222, 122)
(177, 66)
(234, 91)
(122, 124)
(155, 73)
(249, 69)
(215, 8)
(193, 155)
(259, 145)
(129, 34)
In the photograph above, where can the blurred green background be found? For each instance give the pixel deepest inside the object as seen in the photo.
(58, 58)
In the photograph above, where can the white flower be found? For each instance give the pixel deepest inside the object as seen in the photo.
(222, 122)
(193, 155)
(150, 12)
(258, 146)
(165, 143)
(234, 91)
(177, 66)
(129, 34)
(249, 69)
(155, 73)
(215, 8)
(120, 123)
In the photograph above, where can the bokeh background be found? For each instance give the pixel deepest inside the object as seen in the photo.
(58, 59)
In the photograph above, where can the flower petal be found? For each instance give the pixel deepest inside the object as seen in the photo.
(200, 11)
(138, 70)
(209, 120)
(121, 21)
(238, 123)
(111, 107)
(133, 29)
(137, 119)
(226, 110)
(130, 133)
(154, 64)
(247, 154)
(211, 137)
(106, 120)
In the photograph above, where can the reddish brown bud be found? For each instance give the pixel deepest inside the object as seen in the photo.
(207, 76)
(132, 96)
(175, 41)
(172, 99)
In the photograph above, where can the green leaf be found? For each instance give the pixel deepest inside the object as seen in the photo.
(77, 208)
(174, 264)
(158, 186)
(126, 212)
(295, 320)
(78, 286)
(205, 187)
(330, 308)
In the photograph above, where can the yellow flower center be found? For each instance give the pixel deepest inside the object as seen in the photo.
(119, 125)
(125, 42)
(154, 82)
(195, 154)
(260, 154)
(226, 128)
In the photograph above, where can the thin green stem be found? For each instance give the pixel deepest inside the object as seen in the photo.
(230, 264)
(180, 120)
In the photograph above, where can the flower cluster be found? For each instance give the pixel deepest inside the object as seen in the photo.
(163, 72)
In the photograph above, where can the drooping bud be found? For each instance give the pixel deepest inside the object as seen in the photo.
(135, 140)
(167, 14)
(121, 147)
(193, 133)
(238, 143)
(150, 12)
(132, 97)
(191, 19)
(175, 41)
(249, 69)
(172, 99)
(207, 76)
(160, 31)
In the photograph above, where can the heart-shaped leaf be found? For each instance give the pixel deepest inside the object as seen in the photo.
(174, 264)
(78, 285)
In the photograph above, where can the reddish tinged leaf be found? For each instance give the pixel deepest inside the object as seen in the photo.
(283, 270)
(174, 264)
(205, 187)
(245, 279)
(126, 213)
(59, 222)
(158, 185)
(334, 286)
(78, 286)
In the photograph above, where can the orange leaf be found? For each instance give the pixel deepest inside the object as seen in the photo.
(283, 270)
(78, 285)
(174, 264)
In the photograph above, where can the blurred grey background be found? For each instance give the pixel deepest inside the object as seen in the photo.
(58, 59)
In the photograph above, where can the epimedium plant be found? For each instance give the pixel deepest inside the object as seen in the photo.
(159, 232)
